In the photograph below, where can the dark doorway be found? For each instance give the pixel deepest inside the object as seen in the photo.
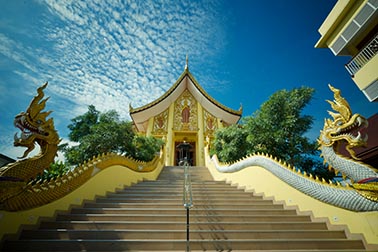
(189, 153)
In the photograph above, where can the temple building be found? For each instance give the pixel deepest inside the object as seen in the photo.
(184, 114)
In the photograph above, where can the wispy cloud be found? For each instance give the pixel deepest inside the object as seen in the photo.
(110, 53)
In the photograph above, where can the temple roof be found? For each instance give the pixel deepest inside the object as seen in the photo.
(141, 115)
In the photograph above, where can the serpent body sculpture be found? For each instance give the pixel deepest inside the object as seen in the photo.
(361, 194)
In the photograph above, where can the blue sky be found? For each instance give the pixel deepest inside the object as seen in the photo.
(112, 53)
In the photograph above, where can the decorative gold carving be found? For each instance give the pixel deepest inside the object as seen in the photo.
(210, 123)
(185, 113)
(160, 123)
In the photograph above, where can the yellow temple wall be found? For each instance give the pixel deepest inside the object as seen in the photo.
(108, 180)
(150, 126)
(261, 181)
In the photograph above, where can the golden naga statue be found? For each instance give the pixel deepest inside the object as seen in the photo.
(345, 128)
(35, 129)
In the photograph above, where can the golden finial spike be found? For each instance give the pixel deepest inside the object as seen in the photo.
(311, 175)
(305, 173)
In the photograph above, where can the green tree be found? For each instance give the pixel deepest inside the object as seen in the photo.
(230, 143)
(98, 133)
(146, 147)
(277, 128)
(81, 125)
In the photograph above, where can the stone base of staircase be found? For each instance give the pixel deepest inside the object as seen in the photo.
(150, 216)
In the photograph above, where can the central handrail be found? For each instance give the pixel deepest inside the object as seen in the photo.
(187, 190)
(187, 198)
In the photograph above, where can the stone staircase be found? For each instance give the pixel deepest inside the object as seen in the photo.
(150, 216)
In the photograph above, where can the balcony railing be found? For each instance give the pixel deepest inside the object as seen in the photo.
(363, 57)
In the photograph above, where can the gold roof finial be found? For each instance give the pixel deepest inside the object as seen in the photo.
(186, 64)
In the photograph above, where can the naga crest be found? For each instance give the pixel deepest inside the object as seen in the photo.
(34, 126)
(344, 126)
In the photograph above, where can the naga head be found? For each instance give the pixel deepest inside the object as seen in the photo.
(344, 126)
(34, 125)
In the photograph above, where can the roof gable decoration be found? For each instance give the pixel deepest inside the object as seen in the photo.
(185, 113)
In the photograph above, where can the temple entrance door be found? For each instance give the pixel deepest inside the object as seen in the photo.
(190, 153)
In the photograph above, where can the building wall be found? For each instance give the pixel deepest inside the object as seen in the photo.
(368, 74)
(347, 31)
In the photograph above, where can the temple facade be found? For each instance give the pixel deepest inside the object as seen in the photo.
(184, 114)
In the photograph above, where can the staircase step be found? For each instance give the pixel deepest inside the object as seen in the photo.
(209, 211)
(177, 225)
(179, 205)
(179, 190)
(180, 245)
(175, 200)
(179, 196)
(182, 217)
(181, 234)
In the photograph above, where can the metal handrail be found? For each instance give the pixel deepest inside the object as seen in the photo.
(363, 57)
(187, 190)
(187, 199)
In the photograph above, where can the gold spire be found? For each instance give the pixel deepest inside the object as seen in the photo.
(186, 64)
